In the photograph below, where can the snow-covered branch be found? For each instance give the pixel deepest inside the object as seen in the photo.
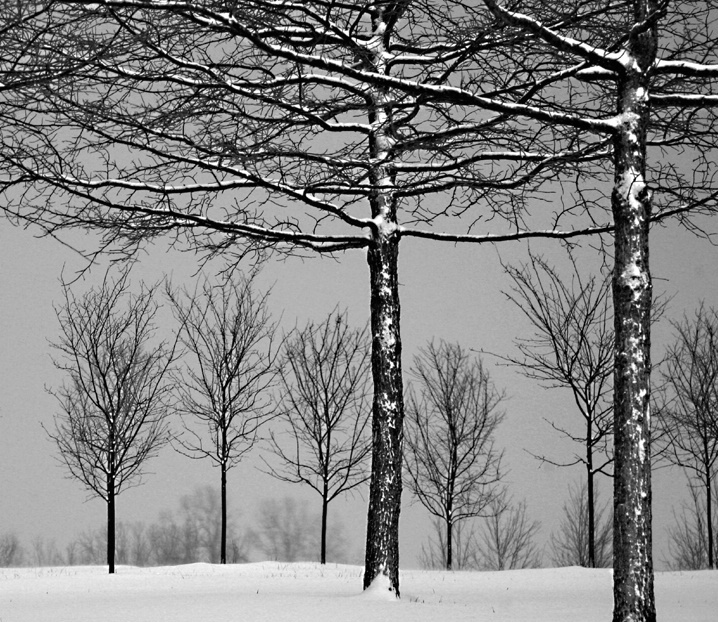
(685, 68)
(612, 61)
(692, 100)
(507, 237)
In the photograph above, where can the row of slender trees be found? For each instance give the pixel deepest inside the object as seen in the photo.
(111, 424)
(122, 386)
(117, 400)
(235, 126)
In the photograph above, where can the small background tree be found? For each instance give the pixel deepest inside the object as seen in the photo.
(12, 552)
(325, 387)
(687, 416)
(227, 331)
(688, 536)
(507, 537)
(571, 541)
(451, 416)
(115, 402)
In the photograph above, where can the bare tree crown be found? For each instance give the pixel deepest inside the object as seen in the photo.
(451, 417)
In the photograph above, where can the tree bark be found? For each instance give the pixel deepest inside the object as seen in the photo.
(223, 525)
(325, 507)
(449, 553)
(382, 541)
(385, 486)
(709, 520)
(632, 291)
(111, 525)
(591, 497)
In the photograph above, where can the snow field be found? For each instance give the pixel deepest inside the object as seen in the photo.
(278, 592)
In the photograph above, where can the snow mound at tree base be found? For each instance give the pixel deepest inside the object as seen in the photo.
(380, 588)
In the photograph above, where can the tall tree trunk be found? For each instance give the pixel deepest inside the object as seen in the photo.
(111, 524)
(449, 552)
(590, 493)
(223, 525)
(382, 539)
(325, 511)
(385, 486)
(709, 519)
(632, 292)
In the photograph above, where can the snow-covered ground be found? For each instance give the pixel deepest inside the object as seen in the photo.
(279, 592)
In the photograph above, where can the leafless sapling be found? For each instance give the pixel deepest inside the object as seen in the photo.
(570, 542)
(451, 417)
(506, 539)
(688, 536)
(688, 414)
(503, 539)
(463, 547)
(325, 408)
(285, 531)
(11, 550)
(116, 398)
(229, 336)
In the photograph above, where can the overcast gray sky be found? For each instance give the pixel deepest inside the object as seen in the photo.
(447, 292)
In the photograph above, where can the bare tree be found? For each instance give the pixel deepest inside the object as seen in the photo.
(45, 552)
(341, 126)
(139, 553)
(192, 533)
(570, 543)
(642, 75)
(90, 546)
(228, 333)
(688, 415)
(688, 537)
(199, 515)
(450, 457)
(325, 406)
(507, 536)
(11, 551)
(173, 541)
(115, 400)
(573, 348)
